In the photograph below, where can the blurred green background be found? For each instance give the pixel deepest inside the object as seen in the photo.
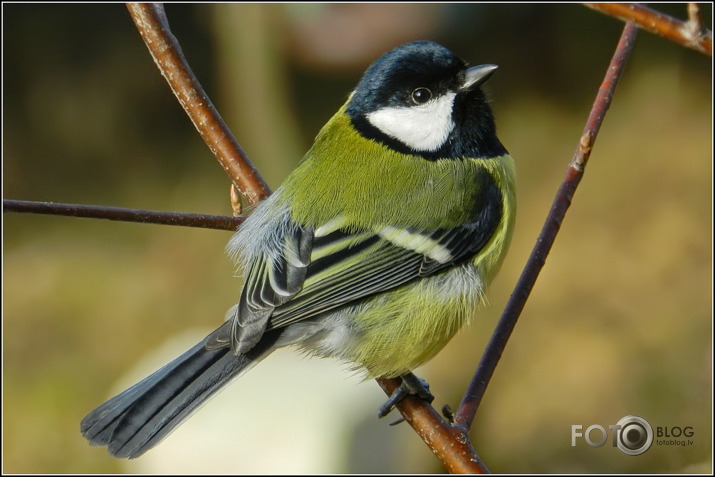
(619, 323)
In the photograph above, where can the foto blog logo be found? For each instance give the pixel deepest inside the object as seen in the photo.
(633, 435)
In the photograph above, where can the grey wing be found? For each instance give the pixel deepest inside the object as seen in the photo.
(271, 282)
(374, 263)
(313, 273)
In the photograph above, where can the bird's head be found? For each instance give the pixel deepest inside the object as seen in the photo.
(422, 99)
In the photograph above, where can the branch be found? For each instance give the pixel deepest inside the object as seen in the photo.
(153, 26)
(690, 34)
(477, 387)
(217, 222)
(450, 443)
(695, 21)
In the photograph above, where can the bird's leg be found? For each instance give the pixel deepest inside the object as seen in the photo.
(411, 385)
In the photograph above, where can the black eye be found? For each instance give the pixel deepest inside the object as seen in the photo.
(421, 95)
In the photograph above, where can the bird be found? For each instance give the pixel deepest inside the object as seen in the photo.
(375, 250)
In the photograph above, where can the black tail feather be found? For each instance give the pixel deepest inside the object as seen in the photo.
(136, 420)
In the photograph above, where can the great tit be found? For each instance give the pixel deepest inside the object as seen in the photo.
(376, 249)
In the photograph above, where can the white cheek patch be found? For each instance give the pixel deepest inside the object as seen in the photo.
(423, 128)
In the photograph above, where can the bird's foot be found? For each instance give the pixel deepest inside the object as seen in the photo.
(411, 386)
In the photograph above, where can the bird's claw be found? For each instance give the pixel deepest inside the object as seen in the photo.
(411, 386)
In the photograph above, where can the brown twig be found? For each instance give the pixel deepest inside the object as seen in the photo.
(690, 34)
(153, 26)
(217, 222)
(449, 442)
(694, 17)
(695, 21)
(477, 387)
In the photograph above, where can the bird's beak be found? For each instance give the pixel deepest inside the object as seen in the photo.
(476, 76)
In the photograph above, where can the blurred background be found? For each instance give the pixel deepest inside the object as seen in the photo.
(619, 323)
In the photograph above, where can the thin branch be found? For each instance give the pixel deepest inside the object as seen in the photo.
(690, 34)
(695, 21)
(477, 387)
(217, 222)
(153, 26)
(694, 18)
(450, 443)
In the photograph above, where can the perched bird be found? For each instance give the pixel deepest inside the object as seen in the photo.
(375, 250)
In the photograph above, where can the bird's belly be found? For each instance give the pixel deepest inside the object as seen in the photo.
(391, 334)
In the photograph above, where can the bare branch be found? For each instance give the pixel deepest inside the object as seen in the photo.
(153, 26)
(695, 21)
(477, 387)
(694, 17)
(690, 34)
(449, 442)
(217, 222)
